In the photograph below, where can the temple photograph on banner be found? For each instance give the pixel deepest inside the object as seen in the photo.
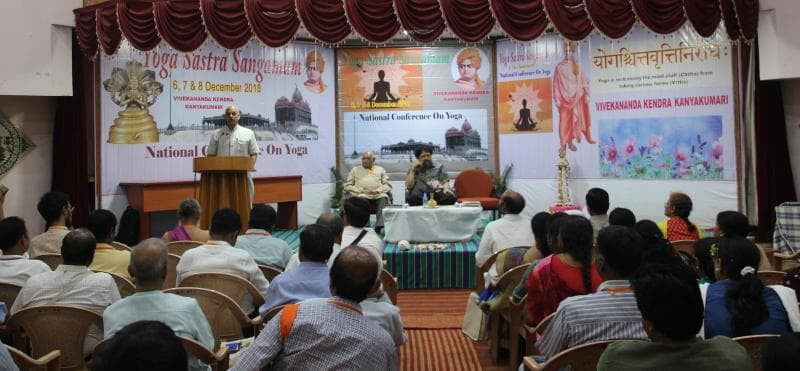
(400, 185)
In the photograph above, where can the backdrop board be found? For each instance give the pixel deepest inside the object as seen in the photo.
(395, 100)
(159, 109)
(629, 113)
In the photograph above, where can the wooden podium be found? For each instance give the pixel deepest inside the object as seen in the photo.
(223, 184)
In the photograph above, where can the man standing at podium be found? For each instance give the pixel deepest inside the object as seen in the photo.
(234, 140)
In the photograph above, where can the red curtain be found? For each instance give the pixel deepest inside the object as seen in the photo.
(614, 18)
(570, 18)
(225, 21)
(324, 19)
(374, 20)
(469, 20)
(422, 19)
(273, 21)
(523, 20)
(185, 24)
(704, 16)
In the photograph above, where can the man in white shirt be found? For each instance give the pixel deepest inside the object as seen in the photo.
(511, 230)
(370, 181)
(234, 140)
(219, 256)
(14, 267)
(72, 283)
(334, 223)
(355, 214)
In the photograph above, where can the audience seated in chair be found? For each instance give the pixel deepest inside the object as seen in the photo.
(622, 216)
(187, 229)
(610, 313)
(72, 283)
(56, 210)
(336, 226)
(370, 182)
(15, 268)
(218, 255)
(781, 353)
(669, 300)
(733, 224)
(511, 230)
(597, 204)
(424, 178)
(309, 335)
(678, 227)
(738, 303)
(568, 273)
(545, 237)
(102, 223)
(355, 215)
(311, 279)
(379, 308)
(183, 315)
(258, 240)
(142, 345)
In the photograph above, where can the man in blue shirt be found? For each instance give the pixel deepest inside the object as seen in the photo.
(311, 279)
(258, 241)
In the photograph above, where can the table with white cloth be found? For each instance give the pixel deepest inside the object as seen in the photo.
(423, 224)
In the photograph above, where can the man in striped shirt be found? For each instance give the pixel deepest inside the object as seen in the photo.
(610, 313)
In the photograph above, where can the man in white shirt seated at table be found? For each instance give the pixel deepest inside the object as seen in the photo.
(219, 256)
(370, 181)
(511, 230)
(14, 267)
(182, 314)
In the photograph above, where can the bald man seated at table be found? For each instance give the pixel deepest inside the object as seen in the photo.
(370, 181)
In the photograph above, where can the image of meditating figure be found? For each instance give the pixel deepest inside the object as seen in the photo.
(381, 91)
(571, 96)
(315, 65)
(524, 122)
(469, 62)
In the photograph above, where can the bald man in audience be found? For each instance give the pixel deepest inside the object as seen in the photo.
(336, 226)
(511, 230)
(183, 315)
(327, 334)
(72, 283)
(219, 256)
(370, 181)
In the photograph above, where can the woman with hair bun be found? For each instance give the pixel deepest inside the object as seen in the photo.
(739, 304)
(678, 227)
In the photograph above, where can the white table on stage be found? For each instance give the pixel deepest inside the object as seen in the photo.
(440, 224)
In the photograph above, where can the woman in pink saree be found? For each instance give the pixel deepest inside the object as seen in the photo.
(571, 95)
(187, 229)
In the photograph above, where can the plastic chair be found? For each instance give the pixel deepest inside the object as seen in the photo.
(52, 260)
(269, 271)
(233, 286)
(120, 246)
(685, 246)
(476, 185)
(180, 247)
(271, 313)
(8, 293)
(531, 333)
(511, 315)
(172, 271)
(753, 345)
(389, 283)
(581, 358)
(50, 361)
(55, 327)
(225, 316)
(483, 268)
(771, 277)
(125, 286)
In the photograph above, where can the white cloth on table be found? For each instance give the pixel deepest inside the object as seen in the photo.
(441, 224)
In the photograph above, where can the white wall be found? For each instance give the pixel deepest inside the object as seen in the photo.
(779, 45)
(32, 176)
(37, 46)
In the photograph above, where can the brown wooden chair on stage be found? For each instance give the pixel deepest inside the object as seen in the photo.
(125, 286)
(233, 286)
(172, 274)
(753, 345)
(685, 246)
(180, 247)
(120, 246)
(476, 185)
(225, 316)
(52, 260)
(269, 271)
(581, 358)
(389, 283)
(48, 362)
(55, 327)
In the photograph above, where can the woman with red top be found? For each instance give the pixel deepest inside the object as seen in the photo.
(678, 227)
(568, 273)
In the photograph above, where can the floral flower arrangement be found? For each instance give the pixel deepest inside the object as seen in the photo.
(639, 159)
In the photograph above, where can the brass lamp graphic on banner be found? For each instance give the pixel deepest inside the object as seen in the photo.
(136, 90)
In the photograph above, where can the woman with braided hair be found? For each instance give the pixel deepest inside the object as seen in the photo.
(568, 273)
(678, 227)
